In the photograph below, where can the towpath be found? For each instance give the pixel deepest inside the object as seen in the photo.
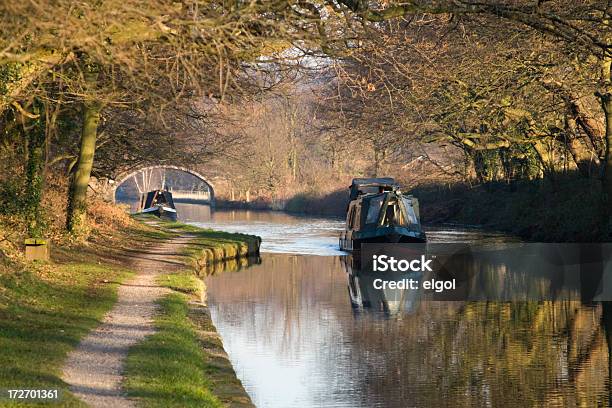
(94, 369)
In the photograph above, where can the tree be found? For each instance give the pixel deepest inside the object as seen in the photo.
(581, 28)
(130, 54)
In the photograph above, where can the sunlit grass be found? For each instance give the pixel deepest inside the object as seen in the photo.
(44, 311)
(168, 369)
(184, 281)
(209, 246)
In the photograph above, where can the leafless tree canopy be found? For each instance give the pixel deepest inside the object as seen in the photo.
(289, 96)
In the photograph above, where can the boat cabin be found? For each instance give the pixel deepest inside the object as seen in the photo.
(363, 186)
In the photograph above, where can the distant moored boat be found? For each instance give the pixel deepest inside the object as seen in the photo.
(160, 204)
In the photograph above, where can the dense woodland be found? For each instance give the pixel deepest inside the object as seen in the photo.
(291, 98)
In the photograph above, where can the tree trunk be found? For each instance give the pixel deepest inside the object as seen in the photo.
(77, 206)
(35, 175)
(606, 103)
(585, 159)
(484, 164)
(581, 117)
(376, 161)
(546, 157)
(294, 163)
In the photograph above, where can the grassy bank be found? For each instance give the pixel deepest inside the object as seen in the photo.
(183, 364)
(168, 369)
(46, 308)
(44, 311)
(208, 247)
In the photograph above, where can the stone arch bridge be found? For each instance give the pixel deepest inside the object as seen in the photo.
(207, 197)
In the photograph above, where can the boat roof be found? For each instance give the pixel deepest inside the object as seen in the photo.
(375, 181)
(361, 186)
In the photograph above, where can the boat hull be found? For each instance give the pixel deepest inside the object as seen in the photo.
(161, 212)
(385, 235)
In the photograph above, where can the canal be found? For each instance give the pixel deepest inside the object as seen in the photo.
(296, 339)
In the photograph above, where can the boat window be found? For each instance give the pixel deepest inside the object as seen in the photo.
(410, 211)
(374, 207)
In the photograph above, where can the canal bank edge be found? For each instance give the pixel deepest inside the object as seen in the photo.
(184, 363)
(184, 324)
(208, 248)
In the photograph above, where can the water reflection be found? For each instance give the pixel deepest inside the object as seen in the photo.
(295, 340)
(226, 266)
(505, 271)
(193, 212)
(367, 295)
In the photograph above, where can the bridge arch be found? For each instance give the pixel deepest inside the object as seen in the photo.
(122, 178)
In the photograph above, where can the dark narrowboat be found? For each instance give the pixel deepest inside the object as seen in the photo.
(159, 203)
(378, 212)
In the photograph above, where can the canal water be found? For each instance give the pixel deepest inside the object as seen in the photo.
(297, 337)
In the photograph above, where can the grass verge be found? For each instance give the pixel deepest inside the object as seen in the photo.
(46, 308)
(208, 247)
(182, 281)
(168, 369)
(183, 364)
(44, 312)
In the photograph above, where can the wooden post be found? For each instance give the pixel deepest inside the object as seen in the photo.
(36, 249)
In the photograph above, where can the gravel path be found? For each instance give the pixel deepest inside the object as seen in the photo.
(94, 369)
